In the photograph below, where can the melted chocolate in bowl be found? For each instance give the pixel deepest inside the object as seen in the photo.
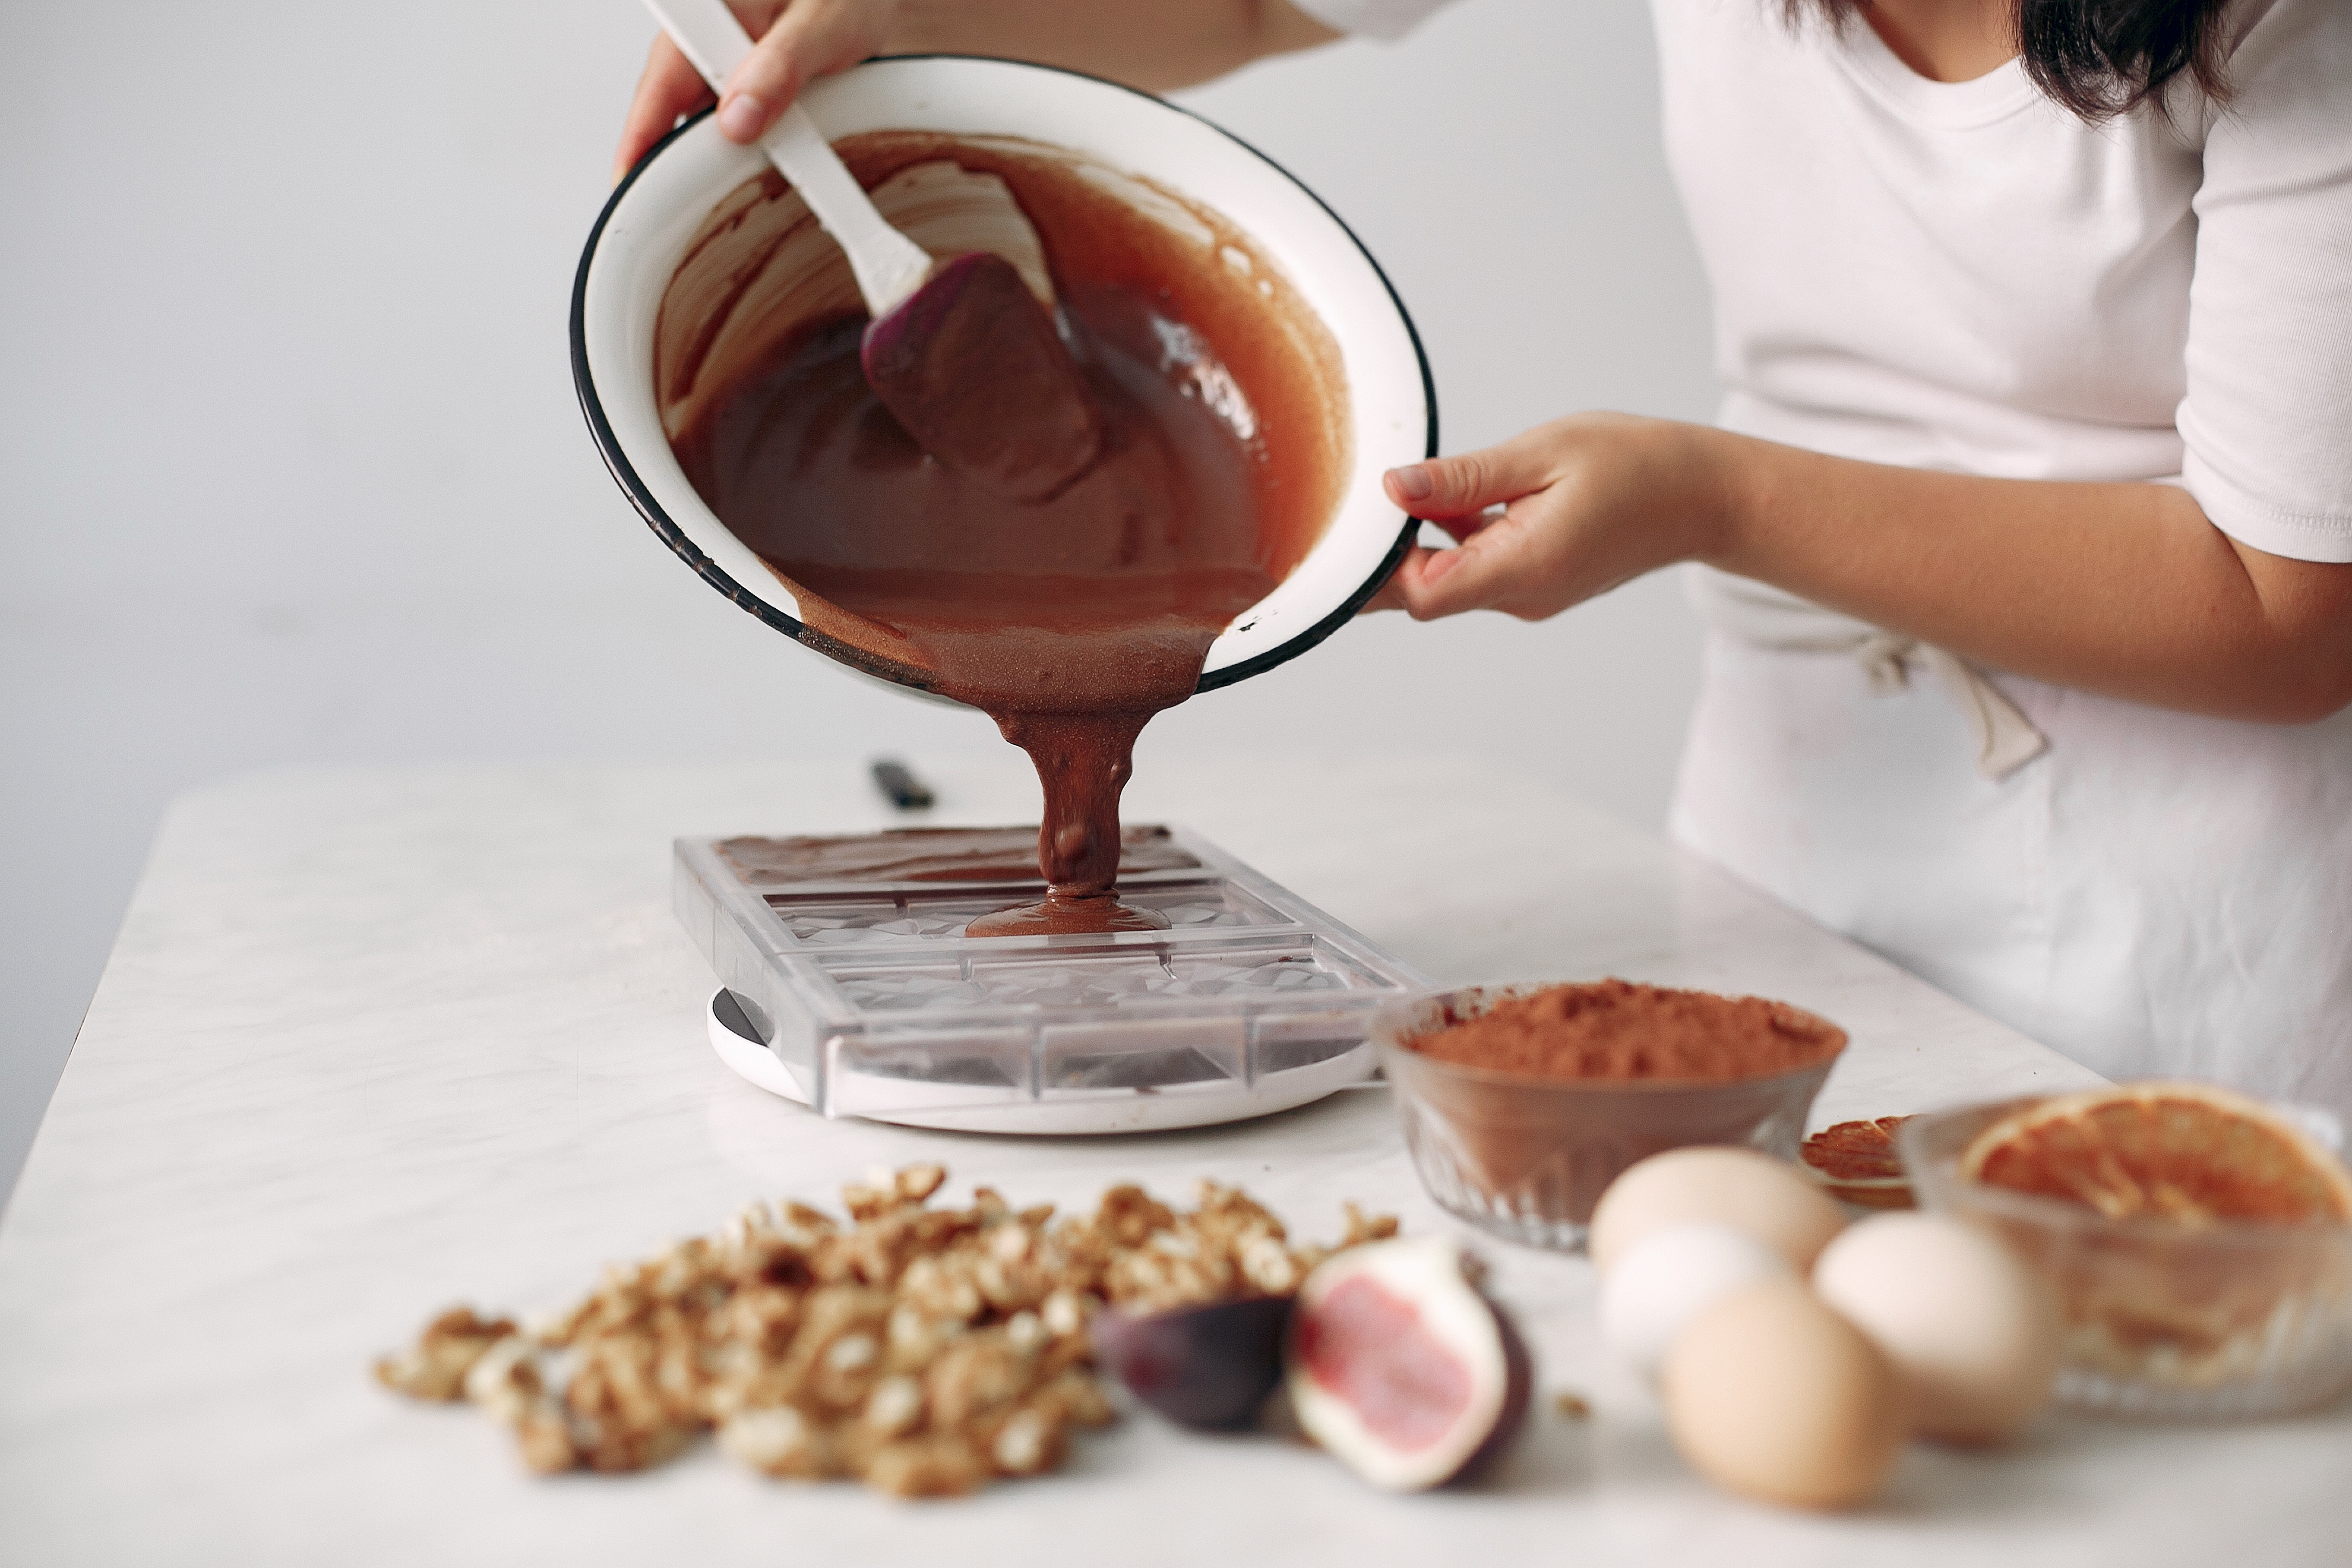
(1069, 620)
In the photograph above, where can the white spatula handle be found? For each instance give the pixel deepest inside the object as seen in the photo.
(888, 265)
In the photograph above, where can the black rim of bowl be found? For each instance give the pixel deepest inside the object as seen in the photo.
(625, 474)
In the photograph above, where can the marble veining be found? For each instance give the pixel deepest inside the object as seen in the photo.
(375, 1041)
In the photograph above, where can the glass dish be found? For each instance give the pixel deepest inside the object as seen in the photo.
(2162, 1320)
(1526, 1157)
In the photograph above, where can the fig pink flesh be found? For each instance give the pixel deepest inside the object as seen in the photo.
(1370, 1349)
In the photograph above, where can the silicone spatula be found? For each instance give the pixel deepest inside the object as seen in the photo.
(960, 352)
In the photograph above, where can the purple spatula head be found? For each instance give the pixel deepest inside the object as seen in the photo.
(971, 365)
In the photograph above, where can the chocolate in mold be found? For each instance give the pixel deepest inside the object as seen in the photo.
(929, 855)
(1522, 1106)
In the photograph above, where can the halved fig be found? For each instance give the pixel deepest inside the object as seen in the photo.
(1210, 1365)
(1400, 1364)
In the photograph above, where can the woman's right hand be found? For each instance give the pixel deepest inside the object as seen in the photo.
(1155, 45)
(1560, 513)
(794, 42)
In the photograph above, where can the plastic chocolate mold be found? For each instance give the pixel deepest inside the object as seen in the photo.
(850, 986)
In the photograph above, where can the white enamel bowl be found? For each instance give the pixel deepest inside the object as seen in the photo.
(642, 236)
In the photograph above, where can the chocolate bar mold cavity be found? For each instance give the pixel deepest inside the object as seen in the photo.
(856, 991)
(830, 921)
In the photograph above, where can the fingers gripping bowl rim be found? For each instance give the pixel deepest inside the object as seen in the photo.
(641, 235)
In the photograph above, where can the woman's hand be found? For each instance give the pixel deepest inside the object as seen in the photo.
(2125, 589)
(1156, 45)
(1585, 503)
(795, 43)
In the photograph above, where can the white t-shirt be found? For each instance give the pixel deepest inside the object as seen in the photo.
(1965, 276)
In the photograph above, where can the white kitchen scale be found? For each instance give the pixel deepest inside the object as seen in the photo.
(847, 984)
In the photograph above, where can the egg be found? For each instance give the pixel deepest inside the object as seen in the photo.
(1738, 1187)
(1973, 1332)
(1669, 1277)
(1772, 1394)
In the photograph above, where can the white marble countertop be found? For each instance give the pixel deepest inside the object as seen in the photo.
(377, 1040)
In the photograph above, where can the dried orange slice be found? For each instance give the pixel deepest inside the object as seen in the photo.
(1857, 1163)
(2183, 1152)
(1856, 1150)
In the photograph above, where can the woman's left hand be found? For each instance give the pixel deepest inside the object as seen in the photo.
(2124, 589)
(1586, 503)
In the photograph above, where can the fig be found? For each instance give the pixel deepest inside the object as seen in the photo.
(1400, 1364)
(1209, 1366)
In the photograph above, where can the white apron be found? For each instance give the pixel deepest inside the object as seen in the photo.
(2155, 893)
(1959, 277)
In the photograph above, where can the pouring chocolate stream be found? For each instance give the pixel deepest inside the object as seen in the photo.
(1070, 610)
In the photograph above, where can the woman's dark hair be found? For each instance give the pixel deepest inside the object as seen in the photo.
(2105, 58)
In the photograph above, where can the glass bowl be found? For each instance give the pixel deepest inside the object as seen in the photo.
(2163, 1321)
(1525, 1158)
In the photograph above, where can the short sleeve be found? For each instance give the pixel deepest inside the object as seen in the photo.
(1372, 18)
(2267, 418)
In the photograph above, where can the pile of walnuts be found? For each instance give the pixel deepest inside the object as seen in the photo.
(922, 1350)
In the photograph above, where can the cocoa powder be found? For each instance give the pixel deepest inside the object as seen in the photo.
(1616, 1029)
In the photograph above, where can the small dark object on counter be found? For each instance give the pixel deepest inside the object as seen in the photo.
(1209, 1366)
(900, 787)
(1401, 1365)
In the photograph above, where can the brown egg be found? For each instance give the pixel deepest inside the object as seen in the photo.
(1970, 1329)
(1772, 1394)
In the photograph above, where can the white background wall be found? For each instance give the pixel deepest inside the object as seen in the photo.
(293, 469)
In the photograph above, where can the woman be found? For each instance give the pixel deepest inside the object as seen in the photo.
(2035, 319)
